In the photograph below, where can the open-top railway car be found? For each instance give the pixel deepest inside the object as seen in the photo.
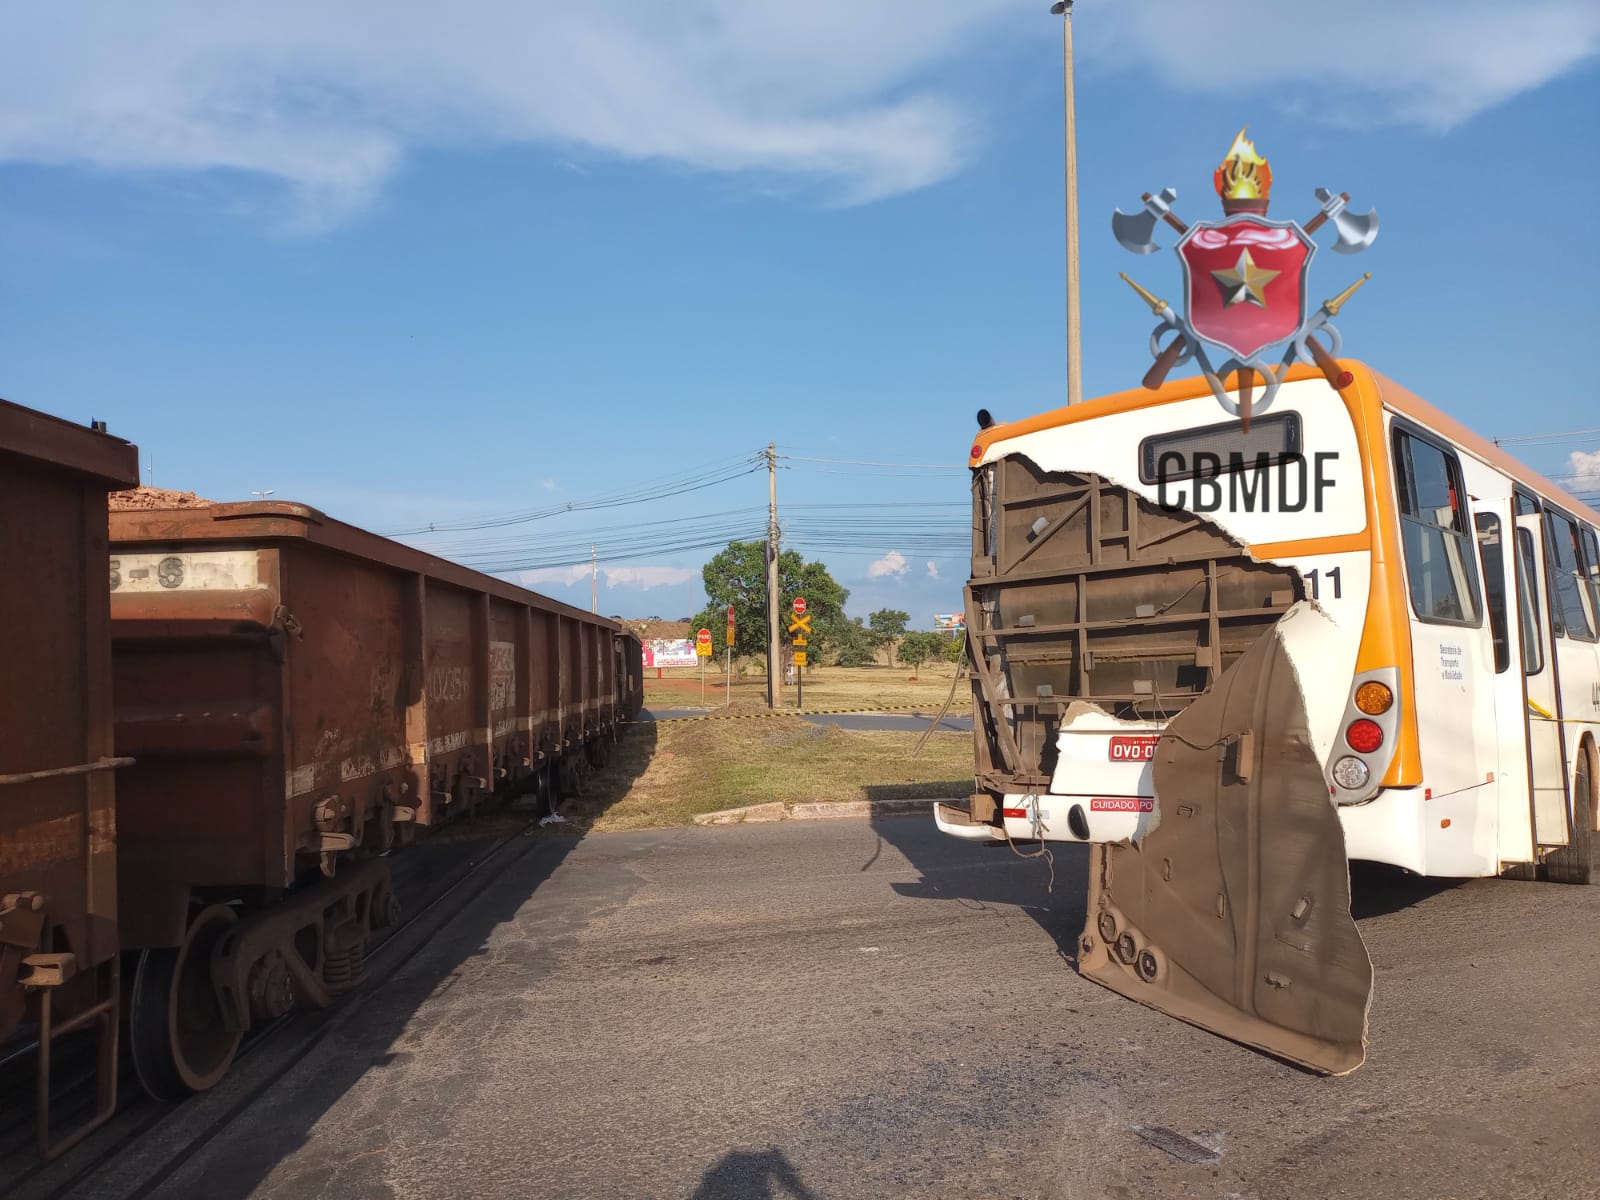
(283, 699)
(58, 884)
(300, 695)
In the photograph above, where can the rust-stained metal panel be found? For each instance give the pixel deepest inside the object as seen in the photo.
(57, 815)
(303, 689)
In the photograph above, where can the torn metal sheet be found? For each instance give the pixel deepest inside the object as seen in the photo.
(1233, 912)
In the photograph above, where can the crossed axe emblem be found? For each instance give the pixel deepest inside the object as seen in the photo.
(1136, 232)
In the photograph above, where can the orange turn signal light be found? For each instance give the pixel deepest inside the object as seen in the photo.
(1374, 698)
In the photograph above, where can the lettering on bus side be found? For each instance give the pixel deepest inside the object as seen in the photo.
(1285, 483)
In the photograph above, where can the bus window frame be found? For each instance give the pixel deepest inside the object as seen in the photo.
(1402, 484)
(1528, 552)
(1499, 627)
(1554, 570)
(1589, 545)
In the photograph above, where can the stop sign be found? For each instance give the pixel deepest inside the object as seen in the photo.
(799, 606)
(703, 637)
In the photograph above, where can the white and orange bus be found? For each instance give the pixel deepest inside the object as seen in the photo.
(1233, 659)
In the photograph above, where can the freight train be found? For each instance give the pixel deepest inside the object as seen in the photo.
(207, 754)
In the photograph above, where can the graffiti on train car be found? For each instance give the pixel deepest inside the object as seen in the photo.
(502, 675)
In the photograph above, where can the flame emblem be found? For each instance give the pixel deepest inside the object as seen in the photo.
(1243, 176)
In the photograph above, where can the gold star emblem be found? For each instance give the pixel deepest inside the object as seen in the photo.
(1245, 281)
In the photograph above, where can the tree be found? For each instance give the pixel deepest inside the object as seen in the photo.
(919, 646)
(738, 576)
(887, 624)
(857, 647)
(955, 649)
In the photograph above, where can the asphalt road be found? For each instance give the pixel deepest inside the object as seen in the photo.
(914, 722)
(834, 1010)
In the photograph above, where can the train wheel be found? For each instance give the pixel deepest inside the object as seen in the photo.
(176, 1033)
(1575, 863)
(599, 750)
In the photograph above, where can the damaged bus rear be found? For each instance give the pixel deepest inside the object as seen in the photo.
(1195, 646)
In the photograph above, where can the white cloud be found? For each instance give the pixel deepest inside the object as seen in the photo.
(893, 563)
(550, 485)
(933, 570)
(643, 578)
(546, 576)
(329, 98)
(1585, 468)
(1432, 63)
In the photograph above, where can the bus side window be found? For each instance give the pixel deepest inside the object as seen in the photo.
(1494, 587)
(1591, 564)
(1440, 566)
(1571, 599)
(1532, 635)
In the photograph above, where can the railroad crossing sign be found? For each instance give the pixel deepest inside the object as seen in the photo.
(799, 655)
(801, 625)
(702, 643)
(799, 606)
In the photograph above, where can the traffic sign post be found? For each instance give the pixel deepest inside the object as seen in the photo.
(727, 696)
(800, 626)
(702, 650)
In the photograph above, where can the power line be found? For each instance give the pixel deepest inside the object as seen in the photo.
(852, 462)
(1545, 439)
(673, 485)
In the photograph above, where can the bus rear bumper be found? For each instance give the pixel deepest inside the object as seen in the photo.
(1387, 829)
(958, 822)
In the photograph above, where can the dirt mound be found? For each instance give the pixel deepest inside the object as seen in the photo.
(142, 497)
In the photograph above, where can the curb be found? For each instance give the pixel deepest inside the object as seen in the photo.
(814, 810)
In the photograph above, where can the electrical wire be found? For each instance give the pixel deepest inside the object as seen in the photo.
(695, 480)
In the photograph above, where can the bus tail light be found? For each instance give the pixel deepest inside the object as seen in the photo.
(1370, 727)
(1374, 698)
(1351, 773)
(1364, 736)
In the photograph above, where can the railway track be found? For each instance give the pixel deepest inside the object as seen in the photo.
(147, 1141)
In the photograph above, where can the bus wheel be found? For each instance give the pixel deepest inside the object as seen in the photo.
(1575, 863)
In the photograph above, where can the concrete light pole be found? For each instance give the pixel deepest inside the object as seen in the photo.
(1063, 9)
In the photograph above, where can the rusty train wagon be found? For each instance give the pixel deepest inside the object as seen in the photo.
(300, 695)
(58, 897)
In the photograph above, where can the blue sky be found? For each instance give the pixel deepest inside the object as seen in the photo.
(425, 268)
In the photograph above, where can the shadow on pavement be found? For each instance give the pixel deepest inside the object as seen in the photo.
(966, 873)
(360, 1034)
(753, 1175)
(1377, 889)
(1049, 882)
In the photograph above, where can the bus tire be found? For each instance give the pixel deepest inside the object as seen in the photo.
(1575, 862)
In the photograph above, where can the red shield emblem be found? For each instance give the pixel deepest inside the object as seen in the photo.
(1244, 281)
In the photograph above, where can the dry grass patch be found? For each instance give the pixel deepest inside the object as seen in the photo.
(667, 774)
(825, 687)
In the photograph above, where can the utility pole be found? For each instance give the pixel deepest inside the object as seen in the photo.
(1063, 8)
(774, 693)
(594, 578)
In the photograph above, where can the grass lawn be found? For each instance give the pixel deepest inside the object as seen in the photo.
(665, 774)
(825, 687)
